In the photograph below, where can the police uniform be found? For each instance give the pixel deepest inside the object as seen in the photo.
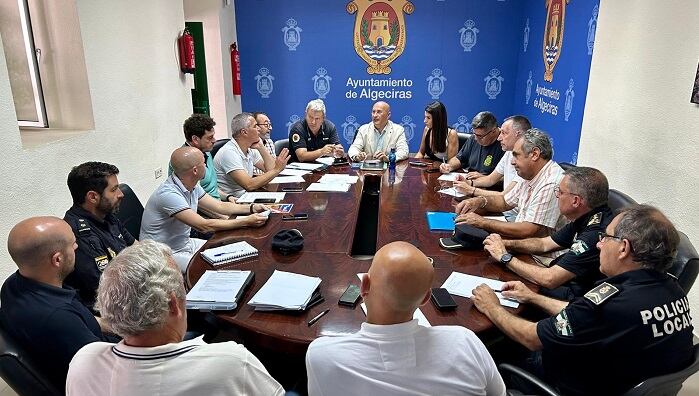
(630, 327)
(301, 137)
(582, 258)
(98, 243)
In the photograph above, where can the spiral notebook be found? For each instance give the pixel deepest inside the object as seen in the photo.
(228, 253)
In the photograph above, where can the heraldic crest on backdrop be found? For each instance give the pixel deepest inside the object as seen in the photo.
(379, 32)
(506, 57)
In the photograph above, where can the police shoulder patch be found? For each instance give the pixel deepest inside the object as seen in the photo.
(101, 262)
(595, 219)
(579, 247)
(295, 138)
(562, 324)
(601, 293)
(83, 227)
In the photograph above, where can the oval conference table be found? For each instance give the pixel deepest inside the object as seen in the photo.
(339, 238)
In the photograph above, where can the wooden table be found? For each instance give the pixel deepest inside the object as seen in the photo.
(328, 236)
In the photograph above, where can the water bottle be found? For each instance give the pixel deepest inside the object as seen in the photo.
(392, 159)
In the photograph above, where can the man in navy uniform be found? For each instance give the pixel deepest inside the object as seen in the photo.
(100, 235)
(633, 325)
(314, 136)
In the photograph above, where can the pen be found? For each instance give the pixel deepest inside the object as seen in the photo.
(317, 317)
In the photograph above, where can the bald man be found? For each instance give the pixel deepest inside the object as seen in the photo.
(391, 354)
(171, 212)
(38, 311)
(376, 139)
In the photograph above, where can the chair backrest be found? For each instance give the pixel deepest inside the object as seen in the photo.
(19, 371)
(685, 267)
(669, 384)
(463, 137)
(619, 200)
(280, 144)
(566, 165)
(130, 211)
(218, 145)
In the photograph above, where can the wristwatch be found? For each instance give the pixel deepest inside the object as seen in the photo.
(506, 258)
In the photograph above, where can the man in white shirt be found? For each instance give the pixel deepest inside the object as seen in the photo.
(142, 299)
(376, 139)
(235, 161)
(171, 211)
(392, 354)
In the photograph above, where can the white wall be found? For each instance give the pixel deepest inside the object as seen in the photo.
(640, 128)
(139, 100)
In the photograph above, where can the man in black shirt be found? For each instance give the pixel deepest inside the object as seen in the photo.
(314, 136)
(101, 236)
(38, 311)
(482, 152)
(582, 197)
(633, 325)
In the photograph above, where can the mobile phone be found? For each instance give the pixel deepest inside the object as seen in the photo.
(418, 163)
(264, 200)
(292, 189)
(442, 299)
(432, 170)
(350, 297)
(297, 216)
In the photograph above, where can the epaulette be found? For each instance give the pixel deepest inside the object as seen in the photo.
(83, 227)
(595, 219)
(601, 293)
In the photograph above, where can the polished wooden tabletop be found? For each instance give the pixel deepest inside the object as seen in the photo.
(328, 235)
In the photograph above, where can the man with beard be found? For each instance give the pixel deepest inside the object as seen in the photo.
(99, 233)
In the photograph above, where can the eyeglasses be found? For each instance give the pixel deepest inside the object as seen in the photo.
(485, 134)
(266, 124)
(603, 236)
(560, 192)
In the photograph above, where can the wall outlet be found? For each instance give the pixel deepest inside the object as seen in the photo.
(158, 173)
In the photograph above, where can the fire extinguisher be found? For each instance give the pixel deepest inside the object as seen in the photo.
(185, 43)
(235, 68)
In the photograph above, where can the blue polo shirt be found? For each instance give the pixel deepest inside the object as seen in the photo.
(49, 322)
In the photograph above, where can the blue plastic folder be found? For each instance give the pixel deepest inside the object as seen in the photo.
(441, 221)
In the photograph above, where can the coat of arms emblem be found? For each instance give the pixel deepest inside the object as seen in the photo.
(349, 128)
(570, 94)
(292, 120)
(408, 127)
(553, 35)
(264, 82)
(493, 83)
(321, 83)
(292, 34)
(462, 125)
(435, 83)
(379, 31)
(469, 35)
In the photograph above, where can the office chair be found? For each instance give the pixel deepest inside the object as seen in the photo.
(463, 137)
(217, 146)
(20, 372)
(130, 211)
(566, 165)
(280, 144)
(685, 267)
(618, 200)
(668, 384)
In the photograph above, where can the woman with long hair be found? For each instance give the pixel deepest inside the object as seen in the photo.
(439, 142)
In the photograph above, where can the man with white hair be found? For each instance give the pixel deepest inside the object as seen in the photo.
(314, 136)
(142, 297)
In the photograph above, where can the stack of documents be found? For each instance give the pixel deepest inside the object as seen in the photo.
(219, 290)
(304, 166)
(285, 291)
(461, 284)
(250, 197)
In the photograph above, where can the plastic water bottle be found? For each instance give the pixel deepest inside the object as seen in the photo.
(392, 159)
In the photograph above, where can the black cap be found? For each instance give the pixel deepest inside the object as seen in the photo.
(287, 241)
(465, 237)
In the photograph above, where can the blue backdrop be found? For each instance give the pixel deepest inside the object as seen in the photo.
(472, 55)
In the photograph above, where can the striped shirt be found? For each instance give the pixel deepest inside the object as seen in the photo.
(270, 147)
(536, 200)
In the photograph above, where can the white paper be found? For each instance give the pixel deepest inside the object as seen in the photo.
(303, 165)
(461, 284)
(326, 160)
(294, 172)
(249, 197)
(499, 218)
(338, 178)
(286, 179)
(218, 286)
(329, 187)
(285, 290)
(451, 191)
(421, 318)
(448, 177)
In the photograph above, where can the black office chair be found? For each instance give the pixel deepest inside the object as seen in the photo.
(685, 267)
(280, 144)
(566, 165)
(618, 200)
(218, 145)
(668, 384)
(463, 137)
(130, 211)
(20, 372)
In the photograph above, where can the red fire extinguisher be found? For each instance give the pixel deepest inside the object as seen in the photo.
(185, 43)
(235, 67)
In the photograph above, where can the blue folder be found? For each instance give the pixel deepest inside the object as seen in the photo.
(441, 221)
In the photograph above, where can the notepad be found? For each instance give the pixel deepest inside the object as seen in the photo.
(440, 221)
(219, 290)
(228, 253)
(285, 291)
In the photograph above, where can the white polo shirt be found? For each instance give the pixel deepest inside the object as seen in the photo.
(231, 158)
(402, 359)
